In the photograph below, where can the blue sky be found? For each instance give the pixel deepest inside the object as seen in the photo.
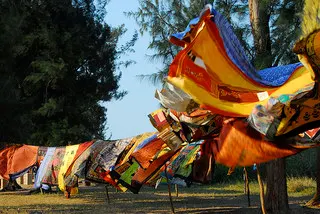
(129, 116)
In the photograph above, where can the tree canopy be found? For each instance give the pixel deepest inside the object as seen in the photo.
(162, 18)
(57, 63)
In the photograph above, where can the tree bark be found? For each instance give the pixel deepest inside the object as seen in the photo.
(315, 201)
(259, 20)
(276, 195)
(260, 11)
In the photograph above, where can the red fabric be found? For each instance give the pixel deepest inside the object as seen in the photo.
(17, 158)
(240, 145)
(203, 166)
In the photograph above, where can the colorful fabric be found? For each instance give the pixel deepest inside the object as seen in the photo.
(135, 142)
(294, 115)
(241, 145)
(44, 166)
(178, 161)
(203, 166)
(54, 164)
(197, 124)
(239, 88)
(103, 157)
(145, 155)
(308, 50)
(264, 118)
(125, 176)
(16, 160)
(126, 167)
(159, 120)
(67, 161)
(312, 133)
(143, 175)
(77, 168)
(185, 168)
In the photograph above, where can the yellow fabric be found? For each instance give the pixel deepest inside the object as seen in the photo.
(300, 79)
(67, 160)
(310, 17)
(308, 113)
(203, 82)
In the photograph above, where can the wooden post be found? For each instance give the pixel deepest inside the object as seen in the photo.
(27, 179)
(263, 209)
(177, 189)
(247, 188)
(3, 183)
(169, 188)
(107, 192)
(244, 181)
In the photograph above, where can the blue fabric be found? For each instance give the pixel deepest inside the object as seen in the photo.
(233, 46)
(181, 35)
(19, 174)
(274, 76)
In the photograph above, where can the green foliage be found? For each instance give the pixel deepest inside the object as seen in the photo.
(58, 61)
(162, 18)
(303, 164)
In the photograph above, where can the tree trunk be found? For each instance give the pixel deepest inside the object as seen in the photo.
(276, 195)
(315, 201)
(259, 20)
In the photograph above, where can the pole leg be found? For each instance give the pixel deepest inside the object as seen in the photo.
(263, 208)
(107, 192)
(169, 189)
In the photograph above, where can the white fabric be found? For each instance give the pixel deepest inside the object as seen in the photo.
(43, 167)
(173, 98)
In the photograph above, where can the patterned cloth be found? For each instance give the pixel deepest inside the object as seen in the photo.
(214, 71)
(44, 166)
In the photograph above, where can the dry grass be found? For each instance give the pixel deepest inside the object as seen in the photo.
(301, 186)
(218, 198)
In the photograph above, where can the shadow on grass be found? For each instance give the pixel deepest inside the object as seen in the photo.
(93, 200)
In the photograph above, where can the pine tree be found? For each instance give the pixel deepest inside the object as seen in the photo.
(58, 62)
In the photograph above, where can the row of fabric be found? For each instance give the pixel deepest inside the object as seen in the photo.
(146, 159)
(216, 108)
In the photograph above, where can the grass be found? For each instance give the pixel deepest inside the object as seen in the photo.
(217, 198)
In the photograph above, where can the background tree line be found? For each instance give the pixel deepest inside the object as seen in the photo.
(58, 61)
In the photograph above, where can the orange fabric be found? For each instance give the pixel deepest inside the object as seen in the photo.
(16, 158)
(240, 145)
(145, 155)
(143, 175)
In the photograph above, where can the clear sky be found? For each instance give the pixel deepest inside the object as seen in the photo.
(129, 116)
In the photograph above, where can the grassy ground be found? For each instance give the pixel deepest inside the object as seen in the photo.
(218, 198)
